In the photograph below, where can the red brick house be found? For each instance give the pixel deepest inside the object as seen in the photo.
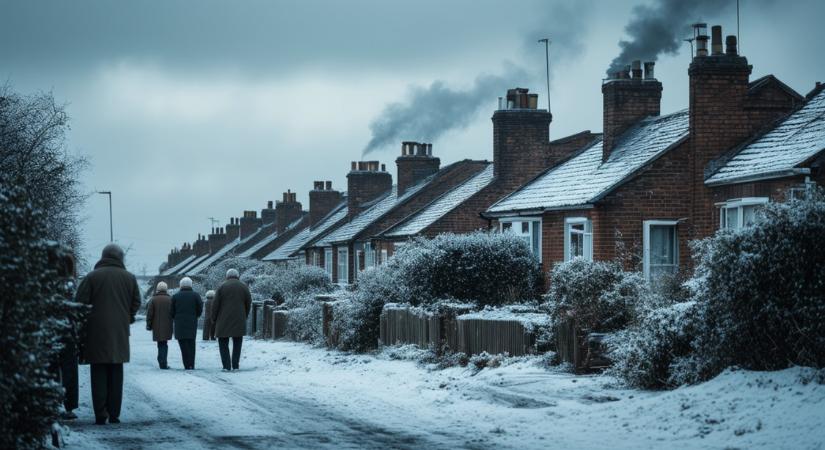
(639, 193)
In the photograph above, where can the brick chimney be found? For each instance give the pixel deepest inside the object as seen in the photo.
(629, 96)
(287, 211)
(365, 182)
(173, 258)
(322, 199)
(201, 246)
(233, 229)
(268, 213)
(415, 164)
(520, 138)
(718, 116)
(185, 251)
(217, 239)
(250, 223)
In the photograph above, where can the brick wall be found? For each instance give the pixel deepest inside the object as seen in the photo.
(250, 223)
(415, 164)
(287, 211)
(520, 145)
(365, 183)
(626, 102)
(322, 200)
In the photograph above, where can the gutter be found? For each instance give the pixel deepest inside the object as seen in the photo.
(534, 211)
(762, 176)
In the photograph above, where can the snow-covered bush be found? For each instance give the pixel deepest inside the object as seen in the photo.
(598, 295)
(37, 318)
(762, 290)
(305, 321)
(656, 352)
(266, 279)
(356, 318)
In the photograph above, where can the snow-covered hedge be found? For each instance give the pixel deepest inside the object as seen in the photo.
(37, 319)
(598, 295)
(483, 268)
(656, 352)
(763, 290)
(266, 280)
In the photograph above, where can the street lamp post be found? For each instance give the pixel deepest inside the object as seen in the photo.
(111, 229)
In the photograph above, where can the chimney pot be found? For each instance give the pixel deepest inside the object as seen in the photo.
(533, 101)
(636, 69)
(329, 185)
(716, 40)
(731, 47)
(269, 204)
(383, 167)
(702, 45)
(649, 75)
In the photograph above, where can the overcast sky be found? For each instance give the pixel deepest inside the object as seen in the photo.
(189, 109)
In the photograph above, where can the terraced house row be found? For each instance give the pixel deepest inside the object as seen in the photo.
(641, 189)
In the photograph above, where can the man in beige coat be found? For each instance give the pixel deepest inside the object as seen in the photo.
(114, 296)
(229, 310)
(159, 322)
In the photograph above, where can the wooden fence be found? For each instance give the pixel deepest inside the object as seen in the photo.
(584, 351)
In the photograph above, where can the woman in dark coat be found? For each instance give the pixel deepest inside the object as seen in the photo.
(187, 306)
(159, 321)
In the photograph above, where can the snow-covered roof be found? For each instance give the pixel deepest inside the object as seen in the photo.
(196, 261)
(213, 257)
(365, 218)
(265, 241)
(584, 178)
(779, 151)
(178, 266)
(294, 244)
(442, 205)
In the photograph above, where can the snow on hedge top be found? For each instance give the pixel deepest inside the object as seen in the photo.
(444, 204)
(178, 266)
(523, 314)
(213, 257)
(585, 178)
(370, 215)
(799, 137)
(294, 244)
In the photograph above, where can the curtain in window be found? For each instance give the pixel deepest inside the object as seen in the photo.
(663, 249)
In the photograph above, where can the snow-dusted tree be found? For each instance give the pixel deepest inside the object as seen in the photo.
(33, 154)
(762, 290)
(35, 317)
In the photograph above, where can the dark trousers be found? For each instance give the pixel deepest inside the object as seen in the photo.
(187, 352)
(107, 390)
(163, 354)
(223, 345)
(65, 369)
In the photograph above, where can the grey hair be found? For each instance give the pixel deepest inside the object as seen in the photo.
(186, 282)
(232, 273)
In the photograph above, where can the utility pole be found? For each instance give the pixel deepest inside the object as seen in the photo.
(111, 229)
(547, 67)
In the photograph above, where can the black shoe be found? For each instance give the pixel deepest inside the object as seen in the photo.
(114, 420)
(68, 415)
(100, 421)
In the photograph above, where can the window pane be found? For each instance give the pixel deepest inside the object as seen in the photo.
(662, 245)
(506, 225)
(576, 244)
(732, 218)
(536, 235)
(525, 227)
(748, 214)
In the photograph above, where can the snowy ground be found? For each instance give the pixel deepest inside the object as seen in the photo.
(290, 395)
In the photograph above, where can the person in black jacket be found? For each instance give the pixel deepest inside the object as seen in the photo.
(187, 306)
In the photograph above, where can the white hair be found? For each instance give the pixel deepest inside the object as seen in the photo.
(232, 273)
(186, 282)
(162, 287)
(210, 294)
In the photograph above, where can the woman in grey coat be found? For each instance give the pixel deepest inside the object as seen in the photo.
(159, 322)
(208, 325)
(187, 306)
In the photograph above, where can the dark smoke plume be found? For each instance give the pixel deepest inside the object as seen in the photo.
(660, 28)
(431, 111)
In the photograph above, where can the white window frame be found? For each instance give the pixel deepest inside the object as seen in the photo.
(316, 258)
(739, 204)
(588, 236)
(384, 256)
(343, 260)
(533, 231)
(646, 243)
(328, 261)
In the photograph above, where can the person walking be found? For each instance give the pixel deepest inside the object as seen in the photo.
(229, 312)
(187, 306)
(208, 325)
(114, 296)
(159, 322)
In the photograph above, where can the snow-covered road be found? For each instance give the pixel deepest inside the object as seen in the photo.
(290, 395)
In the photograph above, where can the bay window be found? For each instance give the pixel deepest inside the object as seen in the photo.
(661, 248)
(578, 238)
(739, 213)
(527, 229)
